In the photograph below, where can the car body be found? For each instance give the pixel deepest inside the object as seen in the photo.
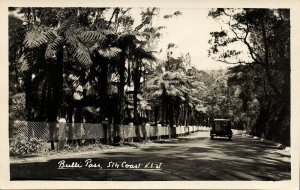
(221, 128)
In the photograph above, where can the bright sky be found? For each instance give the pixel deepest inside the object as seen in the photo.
(190, 31)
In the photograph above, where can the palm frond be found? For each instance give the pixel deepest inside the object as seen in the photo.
(184, 89)
(167, 76)
(195, 100)
(157, 93)
(200, 108)
(153, 79)
(173, 91)
(152, 87)
(182, 98)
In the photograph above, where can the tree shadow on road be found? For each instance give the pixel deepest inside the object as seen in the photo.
(240, 159)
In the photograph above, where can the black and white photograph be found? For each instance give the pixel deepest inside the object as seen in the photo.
(149, 93)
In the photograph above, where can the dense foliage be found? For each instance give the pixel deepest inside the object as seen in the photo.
(96, 64)
(79, 63)
(262, 76)
(23, 146)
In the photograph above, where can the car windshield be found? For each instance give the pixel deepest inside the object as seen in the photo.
(219, 125)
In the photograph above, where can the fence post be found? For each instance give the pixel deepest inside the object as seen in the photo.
(157, 131)
(110, 133)
(137, 131)
(105, 130)
(147, 128)
(29, 131)
(52, 127)
(70, 132)
(131, 131)
(61, 133)
(122, 135)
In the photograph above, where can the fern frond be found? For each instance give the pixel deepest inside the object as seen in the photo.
(53, 47)
(39, 36)
(35, 38)
(23, 63)
(141, 53)
(109, 52)
(91, 37)
(79, 52)
(72, 42)
(50, 34)
(70, 23)
(94, 47)
(82, 55)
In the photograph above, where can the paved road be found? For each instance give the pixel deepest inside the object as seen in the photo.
(198, 158)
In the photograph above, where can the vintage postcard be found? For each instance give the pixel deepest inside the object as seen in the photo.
(149, 95)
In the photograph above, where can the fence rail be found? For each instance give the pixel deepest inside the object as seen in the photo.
(75, 131)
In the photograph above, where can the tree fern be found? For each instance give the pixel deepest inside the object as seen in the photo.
(125, 39)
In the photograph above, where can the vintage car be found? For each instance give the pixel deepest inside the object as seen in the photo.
(221, 128)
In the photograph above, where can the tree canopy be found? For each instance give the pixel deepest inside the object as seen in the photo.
(263, 72)
(100, 64)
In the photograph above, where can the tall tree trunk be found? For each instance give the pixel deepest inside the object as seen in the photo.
(70, 111)
(171, 116)
(156, 114)
(266, 63)
(28, 96)
(103, 90)
(261, 124)
(136, 80)
(185, 115)
(55, 92)
(119, 114)
(163, 109)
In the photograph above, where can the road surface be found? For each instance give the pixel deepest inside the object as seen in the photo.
(197, 158)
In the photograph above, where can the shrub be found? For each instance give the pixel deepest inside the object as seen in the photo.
(23, 146)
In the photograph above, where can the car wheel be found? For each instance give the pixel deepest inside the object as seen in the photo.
(229, 138)
(211, 137)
